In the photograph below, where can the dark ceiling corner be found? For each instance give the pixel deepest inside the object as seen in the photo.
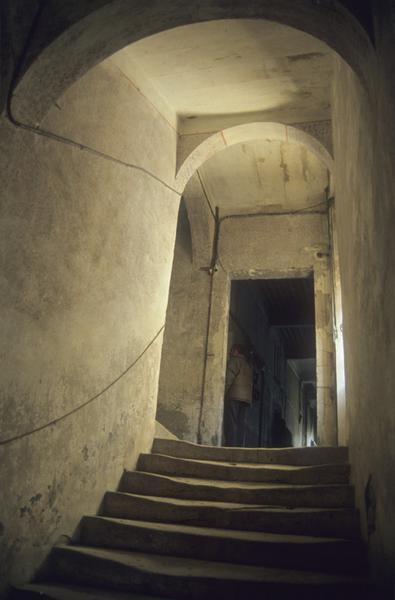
(362, 11)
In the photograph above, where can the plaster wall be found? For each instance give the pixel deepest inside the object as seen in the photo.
(210, 431)
(364, 138)
(325, 354)
(86, 251)
(337, 308)
(265, 246)
(181, 374)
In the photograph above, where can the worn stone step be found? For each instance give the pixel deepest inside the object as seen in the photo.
(52, 591)
(287, 456)
(203, 469)
(191, 579)
(303, 521)
(225, 545)
(317, 496)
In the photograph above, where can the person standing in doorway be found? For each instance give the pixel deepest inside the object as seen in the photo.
(238, 395)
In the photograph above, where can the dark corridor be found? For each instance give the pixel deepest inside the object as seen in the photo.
(273, 320)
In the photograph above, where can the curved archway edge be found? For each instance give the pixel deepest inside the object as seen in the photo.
(87, 33)
(248, 133)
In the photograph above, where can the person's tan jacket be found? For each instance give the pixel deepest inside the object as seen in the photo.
(238, 385)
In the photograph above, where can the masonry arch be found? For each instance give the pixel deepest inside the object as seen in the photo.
(87, 33)
(208, 427)
(247, 133)
(187, 182)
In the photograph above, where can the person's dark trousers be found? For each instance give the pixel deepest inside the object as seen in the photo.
(234, 422)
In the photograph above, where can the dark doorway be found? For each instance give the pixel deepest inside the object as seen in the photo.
(274, 320)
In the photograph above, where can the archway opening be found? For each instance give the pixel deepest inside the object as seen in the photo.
(273, 320)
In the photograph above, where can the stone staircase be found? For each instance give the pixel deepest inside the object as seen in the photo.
(197, 522)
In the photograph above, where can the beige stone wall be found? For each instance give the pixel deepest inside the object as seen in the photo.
(181, 375)
(272, 245)
(86, 250)
(325, 355)
(364, 138)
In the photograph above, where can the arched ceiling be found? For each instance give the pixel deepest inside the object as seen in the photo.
(89, 32)
(194, 150)
(217, 74)
(264, 176)
(212, 76)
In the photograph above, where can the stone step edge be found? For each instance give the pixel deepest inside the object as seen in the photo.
(171, 566)
(185, 449)
(127, 505)
(282, 467)
(65, 592)
(195, 487)
(236, 506)
(223, 484)
(325, 496)
(163, 464)
(222, 533)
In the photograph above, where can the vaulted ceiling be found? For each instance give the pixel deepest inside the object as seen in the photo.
(220, 73)
(209, 76)
(264, 175)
